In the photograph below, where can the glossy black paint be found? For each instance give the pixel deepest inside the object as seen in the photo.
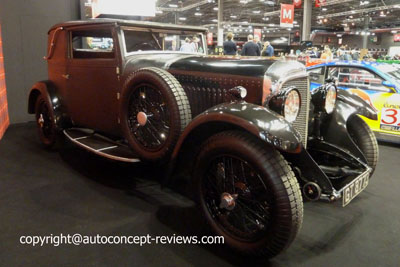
(270, 127)
(48, 89)
(334, 129)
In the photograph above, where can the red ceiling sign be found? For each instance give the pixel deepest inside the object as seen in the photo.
(396, 37)
(210, 38)
(287, 15)
(297, 3)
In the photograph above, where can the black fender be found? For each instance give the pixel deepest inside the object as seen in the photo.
(264, 124)
(270, 127)
(48, 89)
(335, 131)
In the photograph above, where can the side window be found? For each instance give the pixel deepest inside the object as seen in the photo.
(317, 71)
(359, 78)
(92, 44)
(333, 72)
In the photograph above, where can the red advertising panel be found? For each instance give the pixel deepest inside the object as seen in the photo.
(257, 32)
(396, 37)
(287, 15)
(210, 38)
(297, 3)
(4, 120)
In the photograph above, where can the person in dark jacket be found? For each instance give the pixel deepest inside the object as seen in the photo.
(229, 45)
(251, 48)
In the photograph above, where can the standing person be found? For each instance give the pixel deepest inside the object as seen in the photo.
(229, 45)
(269, 49)
(251, 48)
(173, 46)
(257, 41)
(356, 54)
(195, 44)
(187, 47)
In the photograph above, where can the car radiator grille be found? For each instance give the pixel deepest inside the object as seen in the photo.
(301, 123)
(201, 98)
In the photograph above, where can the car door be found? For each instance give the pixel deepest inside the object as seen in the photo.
(92, 79)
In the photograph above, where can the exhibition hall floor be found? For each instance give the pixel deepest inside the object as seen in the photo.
(72, 191)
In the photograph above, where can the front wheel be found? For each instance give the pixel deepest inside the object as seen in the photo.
(365, 139)
(248, 194)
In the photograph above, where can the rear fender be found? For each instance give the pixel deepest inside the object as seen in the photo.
(49, 90)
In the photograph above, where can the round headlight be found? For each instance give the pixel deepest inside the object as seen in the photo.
(330, 99)
(292, 106)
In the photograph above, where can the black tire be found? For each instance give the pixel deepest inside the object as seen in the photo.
(160, 97)
(267, 190)
(45, 122)
(365, 139)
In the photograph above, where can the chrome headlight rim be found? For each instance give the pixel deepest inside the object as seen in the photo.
(330, 99)
(278, 101)
(292, 117)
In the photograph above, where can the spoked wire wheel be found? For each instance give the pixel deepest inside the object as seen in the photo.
(149, 117)
(248, 193)
(154, 111)
(237, 198)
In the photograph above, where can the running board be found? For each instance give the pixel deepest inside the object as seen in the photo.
(100, 145)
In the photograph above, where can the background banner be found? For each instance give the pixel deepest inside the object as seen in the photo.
(4, 120)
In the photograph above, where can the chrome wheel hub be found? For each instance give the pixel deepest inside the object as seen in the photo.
(41, 121)
(142, 118)
(228, 201)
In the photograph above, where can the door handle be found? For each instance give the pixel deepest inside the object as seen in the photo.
(66, 76)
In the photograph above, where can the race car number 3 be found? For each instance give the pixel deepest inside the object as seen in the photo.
(390, 116)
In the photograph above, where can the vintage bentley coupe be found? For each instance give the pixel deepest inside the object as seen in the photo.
(249, 133)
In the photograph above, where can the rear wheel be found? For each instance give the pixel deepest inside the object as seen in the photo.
(45, 122)
(365, 139)
(248, 194)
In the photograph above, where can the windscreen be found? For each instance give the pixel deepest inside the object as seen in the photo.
(146, 40)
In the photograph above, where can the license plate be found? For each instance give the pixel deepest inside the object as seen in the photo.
(354, 188)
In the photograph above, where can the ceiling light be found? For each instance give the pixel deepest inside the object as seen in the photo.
(182, 18)
(198, 14)
(243, 1)
(215, 8)
(233, 17)
(256, 11)
(214, 20)
(393, 31)
(173, 5)
(325, 20)
(324, 9)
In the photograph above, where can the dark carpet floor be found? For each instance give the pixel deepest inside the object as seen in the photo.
(72, 191)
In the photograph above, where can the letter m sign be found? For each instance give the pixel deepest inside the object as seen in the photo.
(287, 15)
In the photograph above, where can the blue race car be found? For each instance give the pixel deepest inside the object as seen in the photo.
(377, 83)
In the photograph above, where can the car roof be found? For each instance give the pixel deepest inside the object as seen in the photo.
(352, 63)
(122, 22)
